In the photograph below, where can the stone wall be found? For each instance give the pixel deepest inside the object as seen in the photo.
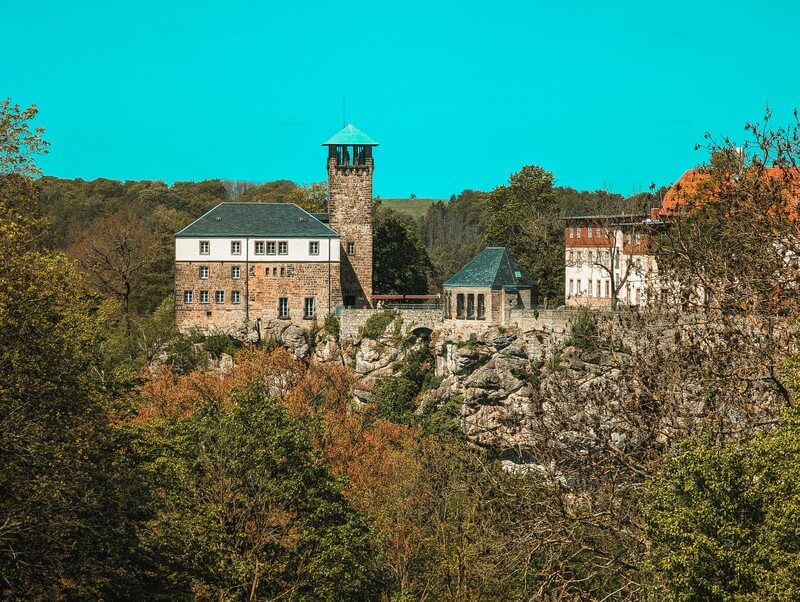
(350, 214)
(352, 319)
(260, 286)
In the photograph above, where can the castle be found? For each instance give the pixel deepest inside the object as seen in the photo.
(242, 263)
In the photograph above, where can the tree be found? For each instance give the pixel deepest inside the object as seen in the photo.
(525, 218)
(20, 142)
(251, 512)
(313, 198)
(114, 254)
(722, 521)
(401, 262)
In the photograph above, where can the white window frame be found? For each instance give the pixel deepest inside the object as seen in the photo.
(236, 272)
(313, 247)
(188, 297)
(236, 297)
(283, 247)
(205, 247)
(203, 269)
(271, 247)
(219, 297)
(204, 297)
(283, 307)
(259, 247)
(306, 314)
(351, 248)
(236, 247)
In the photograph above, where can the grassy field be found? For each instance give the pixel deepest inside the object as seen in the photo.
(413, 207)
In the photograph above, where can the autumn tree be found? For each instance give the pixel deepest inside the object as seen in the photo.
(114, 254)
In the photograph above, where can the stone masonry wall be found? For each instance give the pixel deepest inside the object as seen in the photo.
(350, 214)
(258, 290)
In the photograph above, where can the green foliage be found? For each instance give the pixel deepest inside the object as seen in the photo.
(250, 510)
(375, 326)
(401, 261)
(332, 325)
(724, 523)
(443, 419)
(70, 489)
(584, 332)
(218, 343)
(393, 398)
(526, 219)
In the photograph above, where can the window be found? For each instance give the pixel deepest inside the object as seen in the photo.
(598, 288)
(313, 247)
(580, 259)
(203, 296)
(589, 288)
(236, 272)
(203, 272)
(266, 271)
(205, 247)
(608, 289)
(578, 232)
(351, 248)
(572, 231)
(470, 307)
(460, 306)
(308, 308)
(638, 238)
(572, 258)
(274, 271)
(270, 247)
(188, 296)
(283, 271)
(481, 307)
(571, 286)
(236, 297)
(589, 231)
(236, 247)
(283, 248)
(290, 269)
(591, 258)
(219, 297)
(283, 307)
(259, 247)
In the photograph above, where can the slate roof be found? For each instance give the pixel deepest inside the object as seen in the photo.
(267, 220)
(350, 134)
(494, 267)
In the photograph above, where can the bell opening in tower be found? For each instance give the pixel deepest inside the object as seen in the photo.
(351, 155)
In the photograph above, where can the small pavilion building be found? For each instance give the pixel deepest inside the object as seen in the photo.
(488, 288)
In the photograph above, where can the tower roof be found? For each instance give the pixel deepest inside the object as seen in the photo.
(350, 135)
(494, 267)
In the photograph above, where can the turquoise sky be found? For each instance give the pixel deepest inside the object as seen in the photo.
(607, 95)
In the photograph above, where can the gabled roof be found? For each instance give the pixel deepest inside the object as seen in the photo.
(493, 267)
(350, 134)
(268, 220)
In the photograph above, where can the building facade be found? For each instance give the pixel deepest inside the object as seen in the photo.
(244, 263)
(609, 257)
(488, 288)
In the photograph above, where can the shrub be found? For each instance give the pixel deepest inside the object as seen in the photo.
(584, 333)
(218, 343)
(332, 326)
(376, 324)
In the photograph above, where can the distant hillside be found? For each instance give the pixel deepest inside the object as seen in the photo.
(414, 207)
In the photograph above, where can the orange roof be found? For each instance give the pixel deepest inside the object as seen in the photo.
(696, 186)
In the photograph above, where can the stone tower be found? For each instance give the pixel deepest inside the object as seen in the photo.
(350, 169)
